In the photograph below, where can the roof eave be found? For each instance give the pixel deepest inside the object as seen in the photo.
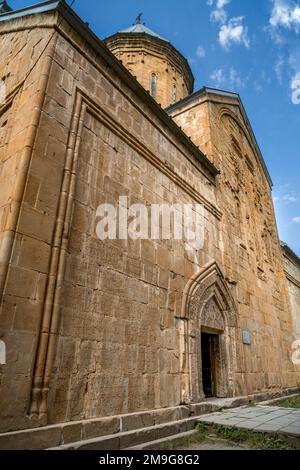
(290, 253)
(208, 90)
(99, 47)
(42, 7)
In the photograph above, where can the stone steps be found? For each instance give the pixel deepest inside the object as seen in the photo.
(64, 435)
(130, 439)
(156, 445)
(151, 437)
(127, 430)
(275, 401)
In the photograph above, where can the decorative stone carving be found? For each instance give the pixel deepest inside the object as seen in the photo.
(208, 304)
(212, 316)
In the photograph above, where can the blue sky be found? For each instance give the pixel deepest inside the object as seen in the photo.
(248, 46)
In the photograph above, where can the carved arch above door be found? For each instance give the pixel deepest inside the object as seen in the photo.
(207, 305)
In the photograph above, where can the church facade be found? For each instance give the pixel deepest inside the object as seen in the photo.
(95, 330)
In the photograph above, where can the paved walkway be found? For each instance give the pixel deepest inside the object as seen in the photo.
(258, 418)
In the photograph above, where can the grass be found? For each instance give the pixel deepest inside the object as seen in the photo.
(251, 404)
(255, 440)
(249, 439)
(290, 403)
(201, 435)
(197, 438)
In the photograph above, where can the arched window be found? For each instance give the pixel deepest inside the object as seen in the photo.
(174, 94)
(153, 85)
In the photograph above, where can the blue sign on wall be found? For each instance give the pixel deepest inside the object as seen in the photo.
(246, 337)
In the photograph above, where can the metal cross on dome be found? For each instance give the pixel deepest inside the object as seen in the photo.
(139, 19)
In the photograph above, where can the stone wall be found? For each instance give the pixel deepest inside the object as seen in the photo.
(249, 244)
(96, 329)
(144, 56)
(25, 216)
(292, 272)
(96, 323)
(118, 347)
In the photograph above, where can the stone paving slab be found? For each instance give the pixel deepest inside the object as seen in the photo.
(259, 418)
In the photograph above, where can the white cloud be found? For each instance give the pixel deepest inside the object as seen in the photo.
(294, 63)
(235, 79)
(285, 198)
(295, 87)
(285, 14)
(296, 220)
(258, 87)
(218, 77)
(279, 68)
(230, 79)
(234, 32)
(218, 3)
(201, 52)
(222, 3)
(218, 14)
(288, 198)
(294, 59)
(265, 77)
(191, 60)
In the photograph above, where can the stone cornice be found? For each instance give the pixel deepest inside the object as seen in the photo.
(219, 96)
(98, 46)
(140, 147)
(288, 253)
(292, 279)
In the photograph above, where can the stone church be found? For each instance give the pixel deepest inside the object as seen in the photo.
(118, 341)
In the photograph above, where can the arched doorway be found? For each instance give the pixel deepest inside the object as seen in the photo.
(208, 337)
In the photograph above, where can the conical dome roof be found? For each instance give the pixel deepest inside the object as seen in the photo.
(139, 28)
(159, 67)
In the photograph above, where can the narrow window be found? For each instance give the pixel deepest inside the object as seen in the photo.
(174, 96)
(153, 85)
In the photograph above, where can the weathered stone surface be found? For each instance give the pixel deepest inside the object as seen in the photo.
(136, 421)
(107, 444)
(71, 433)
(101, 427)
(145, 56)
(135, 438)
(27, 440)
(251, 253)
(292, 272)
(169, 430)
(171, 414)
